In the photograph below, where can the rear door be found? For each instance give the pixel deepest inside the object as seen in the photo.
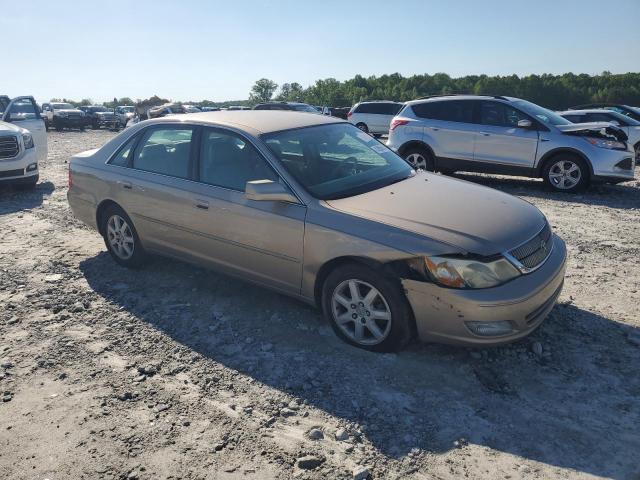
(449, 128)
(25, 113)
(261, 240)
(499, 140)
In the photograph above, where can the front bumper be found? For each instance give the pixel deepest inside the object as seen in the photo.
(23, 169)
(606, 165)
(441, 313)
(69, 122)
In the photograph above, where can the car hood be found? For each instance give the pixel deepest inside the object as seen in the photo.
(464, 215)
(6, 127)
(595, 128)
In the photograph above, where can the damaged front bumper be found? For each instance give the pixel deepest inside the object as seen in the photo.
(491, 316)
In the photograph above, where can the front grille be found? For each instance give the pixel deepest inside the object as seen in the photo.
(9, 147)
(11, 173)
(535, 251)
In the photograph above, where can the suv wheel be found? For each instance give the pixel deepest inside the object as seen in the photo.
(363, 127)
(566, 173)
(121, 238)
(366, 309)
(420, 158)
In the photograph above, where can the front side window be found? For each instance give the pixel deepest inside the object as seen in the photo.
(336, 160)
(573, 118)
(164, 150)
(542, 114)
(229, 161)
(500, 115)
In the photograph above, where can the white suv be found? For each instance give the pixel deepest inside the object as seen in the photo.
(373, 117)
(505, 135)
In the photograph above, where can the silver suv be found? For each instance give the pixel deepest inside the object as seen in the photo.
(505, 135)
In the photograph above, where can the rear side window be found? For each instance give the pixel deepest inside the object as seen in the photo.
(121, 158)
(450, 111)
(386, 108)
(573, 118)
(164, 150)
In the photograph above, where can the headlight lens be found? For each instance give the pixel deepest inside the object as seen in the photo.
(604, 143)
(465, 273)
(28, 140)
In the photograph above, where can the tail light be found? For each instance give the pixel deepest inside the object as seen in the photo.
(349, 114)
(396, 122)
(70, 177)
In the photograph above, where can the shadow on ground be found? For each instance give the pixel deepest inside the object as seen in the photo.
(621, 196)
(14, 199)
(573, 409)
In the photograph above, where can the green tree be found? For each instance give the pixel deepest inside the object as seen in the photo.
(262, 90)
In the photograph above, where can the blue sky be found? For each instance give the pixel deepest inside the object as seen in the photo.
(191, 49)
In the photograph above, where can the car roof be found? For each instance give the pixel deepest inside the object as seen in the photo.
(439, 98)
(260, 121)
(379, 101)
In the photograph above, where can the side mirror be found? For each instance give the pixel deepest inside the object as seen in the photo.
(268, 190)
(524, 123)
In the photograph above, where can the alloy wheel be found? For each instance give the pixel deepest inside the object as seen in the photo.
(361, 312)
(565, 174)
(120, 237)
(417, 161)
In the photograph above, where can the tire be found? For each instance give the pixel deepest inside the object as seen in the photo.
(114, 234)
(94, 126)
(82, 129)
(636, 150)
(59, 128)
(387, 300)
(363, 127)
(566, 173)
(420, 158)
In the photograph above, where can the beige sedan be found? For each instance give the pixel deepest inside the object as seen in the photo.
(314, 208)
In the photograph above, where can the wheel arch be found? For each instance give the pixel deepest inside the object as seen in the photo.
(558, 151)
(102, 206)
(329, 266)
(415, 144)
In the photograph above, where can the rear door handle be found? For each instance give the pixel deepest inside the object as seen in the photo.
(126, 185)
(485, 134)
(201, 204)
(435, 129)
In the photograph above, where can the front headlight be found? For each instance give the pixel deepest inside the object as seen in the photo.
(28, 140)
(604, 143)
(466, 273)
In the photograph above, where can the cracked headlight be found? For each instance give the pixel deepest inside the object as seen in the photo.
(604, 143)
(457, 272)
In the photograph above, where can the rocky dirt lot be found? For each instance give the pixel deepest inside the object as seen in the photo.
(177, 372)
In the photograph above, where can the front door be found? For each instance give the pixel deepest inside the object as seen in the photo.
(24, 112)
(261, 240)
(500, 141)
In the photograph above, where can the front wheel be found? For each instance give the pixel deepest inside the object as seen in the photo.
(566, 174)
(366, 309)
(121, 238)
(363, 127)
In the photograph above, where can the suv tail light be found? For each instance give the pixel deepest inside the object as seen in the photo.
(396, 122)
(70, 177)
(349, 114)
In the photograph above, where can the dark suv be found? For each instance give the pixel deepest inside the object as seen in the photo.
(97, 116)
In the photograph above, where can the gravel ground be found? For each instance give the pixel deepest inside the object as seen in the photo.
(177, 372)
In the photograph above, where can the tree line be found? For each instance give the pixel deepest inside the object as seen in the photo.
(556, 92)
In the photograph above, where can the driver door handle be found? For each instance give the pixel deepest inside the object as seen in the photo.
(485, 134)
(126, 185)
(201, 204)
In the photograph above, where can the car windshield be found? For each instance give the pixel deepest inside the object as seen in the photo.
(98, 109)
(623, 119)
(62, 106)
(541, 113)
(128, 109)
(304, 108)
(336, 160)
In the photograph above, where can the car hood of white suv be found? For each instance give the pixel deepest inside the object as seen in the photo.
(9, 127)
(596, 128)
(462, 214)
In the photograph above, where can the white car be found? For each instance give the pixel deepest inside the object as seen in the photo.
(24, 112)
(18, 156)
(630, 126)
(125, 113)
(374, 117)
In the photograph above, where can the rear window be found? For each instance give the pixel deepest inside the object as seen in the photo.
(449, 111)
(386, 108)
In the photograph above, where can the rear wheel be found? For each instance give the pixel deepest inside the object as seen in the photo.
(366, 309)
(363, 127)
(420, 158)
(566, 173)
(121, 238)
(637, 152)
